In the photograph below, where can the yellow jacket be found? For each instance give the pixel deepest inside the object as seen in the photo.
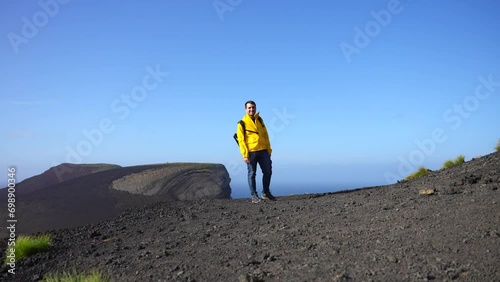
(255, 138)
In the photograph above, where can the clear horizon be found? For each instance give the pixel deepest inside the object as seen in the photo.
(349, 90)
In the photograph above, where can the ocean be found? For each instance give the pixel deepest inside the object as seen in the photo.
(240, 190)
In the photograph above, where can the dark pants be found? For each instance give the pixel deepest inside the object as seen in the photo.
(264, 160)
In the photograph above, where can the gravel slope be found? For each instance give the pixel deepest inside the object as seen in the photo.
(388, 233)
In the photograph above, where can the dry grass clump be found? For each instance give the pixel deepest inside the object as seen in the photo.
(422, 171)
(25, 246)
(74, 276)
(449, 163)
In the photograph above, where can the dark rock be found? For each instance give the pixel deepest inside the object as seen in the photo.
(179, 181)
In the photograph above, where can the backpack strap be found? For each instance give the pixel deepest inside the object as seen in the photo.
(242, 123)
(235, 136)
(261, 121)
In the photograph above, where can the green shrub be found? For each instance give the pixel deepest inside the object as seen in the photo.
(449, 163)
(419, 173)
(497, 147)
(460, 159)
(29, 245)
(73, 276)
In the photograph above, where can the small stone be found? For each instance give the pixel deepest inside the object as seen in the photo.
(244, 278)
(426, 192)
(392, 259)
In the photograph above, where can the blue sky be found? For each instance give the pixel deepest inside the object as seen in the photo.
(353, 92)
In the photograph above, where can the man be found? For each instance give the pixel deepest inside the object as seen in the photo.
(255, 149)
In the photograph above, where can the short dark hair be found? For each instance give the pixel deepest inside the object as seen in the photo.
(250, 102)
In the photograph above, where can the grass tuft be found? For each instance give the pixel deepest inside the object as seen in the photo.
(74, 276)
(449, 163)
(419, 173)
(460, 159)
(497, 147)
(28, 245)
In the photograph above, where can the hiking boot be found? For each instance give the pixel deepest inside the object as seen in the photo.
(268, 196)
(255, 199)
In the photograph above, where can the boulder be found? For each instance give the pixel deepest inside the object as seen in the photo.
(180, 181)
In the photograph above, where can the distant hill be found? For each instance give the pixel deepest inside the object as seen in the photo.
(93, 192)
(58, 174)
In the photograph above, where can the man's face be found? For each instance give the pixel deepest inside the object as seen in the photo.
(250, 109)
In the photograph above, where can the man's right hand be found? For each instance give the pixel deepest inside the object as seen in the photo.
(246, 160)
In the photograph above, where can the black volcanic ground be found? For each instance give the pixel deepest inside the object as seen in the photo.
(388, 233)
